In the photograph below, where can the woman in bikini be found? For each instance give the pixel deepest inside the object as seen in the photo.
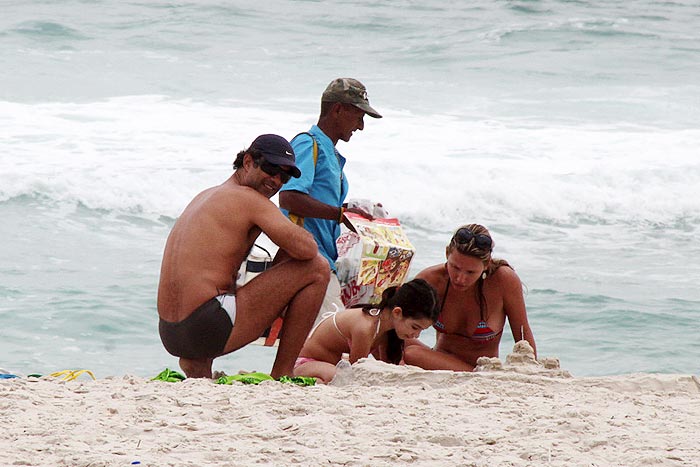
(476, 295)
(402, 314)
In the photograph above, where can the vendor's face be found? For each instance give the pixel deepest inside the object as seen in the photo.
(464, 270)
(350, 119)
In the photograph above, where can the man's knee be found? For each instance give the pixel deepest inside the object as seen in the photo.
(322, 264)
(315, 270)
(319, 268)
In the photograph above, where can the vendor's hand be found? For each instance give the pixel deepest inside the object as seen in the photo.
(361, 212)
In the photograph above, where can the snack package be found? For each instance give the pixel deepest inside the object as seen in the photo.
(371, 259)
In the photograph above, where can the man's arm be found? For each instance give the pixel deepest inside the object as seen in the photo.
(295, 240)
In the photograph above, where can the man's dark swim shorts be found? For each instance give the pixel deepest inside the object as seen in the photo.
(204, 333)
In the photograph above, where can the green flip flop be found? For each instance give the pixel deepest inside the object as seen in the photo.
(171, 376)
(298, 380)
(257, 378)
(246, 378)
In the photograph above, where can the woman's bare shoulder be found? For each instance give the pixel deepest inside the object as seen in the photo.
(432, 271)
(506, 272)
(506, 278)
(432, 274)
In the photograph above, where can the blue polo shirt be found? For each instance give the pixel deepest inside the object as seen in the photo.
(325, 182)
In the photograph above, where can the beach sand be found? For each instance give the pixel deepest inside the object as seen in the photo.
(512, 413)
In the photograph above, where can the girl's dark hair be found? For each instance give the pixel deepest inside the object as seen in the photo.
(417, 299)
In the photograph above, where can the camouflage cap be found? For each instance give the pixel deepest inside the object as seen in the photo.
(349, 91)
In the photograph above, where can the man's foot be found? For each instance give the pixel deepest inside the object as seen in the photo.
(196, 368)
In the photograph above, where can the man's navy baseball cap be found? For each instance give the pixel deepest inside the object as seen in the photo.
(276, 150)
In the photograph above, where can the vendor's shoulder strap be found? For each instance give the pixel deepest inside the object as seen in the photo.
(313, 139)
(298, 220)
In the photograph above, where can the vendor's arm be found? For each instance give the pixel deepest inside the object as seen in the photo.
(304, 205)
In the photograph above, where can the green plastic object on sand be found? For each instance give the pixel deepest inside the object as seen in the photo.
(257, 378)
(171, 376)
(247, 378)
(298, 380)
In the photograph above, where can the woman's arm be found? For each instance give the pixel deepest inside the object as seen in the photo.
(419, 354)
(514, 307)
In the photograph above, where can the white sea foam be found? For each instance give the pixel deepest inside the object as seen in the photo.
(150, 154)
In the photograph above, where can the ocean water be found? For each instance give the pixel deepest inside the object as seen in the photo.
(568, 128)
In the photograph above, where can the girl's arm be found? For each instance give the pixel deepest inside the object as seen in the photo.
(362, 334)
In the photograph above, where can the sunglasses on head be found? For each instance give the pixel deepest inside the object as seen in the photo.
(273, 170)
(481, 241)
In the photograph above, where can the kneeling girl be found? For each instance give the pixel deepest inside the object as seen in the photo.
(402, 314)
